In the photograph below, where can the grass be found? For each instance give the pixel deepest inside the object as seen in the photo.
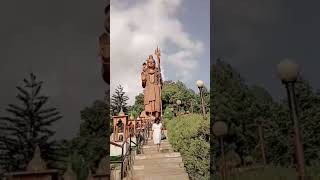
(115, 158)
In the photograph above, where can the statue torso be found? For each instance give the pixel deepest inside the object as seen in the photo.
(153, 76)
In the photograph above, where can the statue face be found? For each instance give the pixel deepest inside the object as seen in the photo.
(151, 63)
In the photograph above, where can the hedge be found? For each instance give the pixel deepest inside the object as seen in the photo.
(189, 134)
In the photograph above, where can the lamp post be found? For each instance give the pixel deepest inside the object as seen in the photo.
(288, 72)
(261, 140)
(191, 104)
(178, 103)
(200, 85)
(220, 129)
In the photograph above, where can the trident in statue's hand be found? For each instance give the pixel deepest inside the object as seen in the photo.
(157, 52)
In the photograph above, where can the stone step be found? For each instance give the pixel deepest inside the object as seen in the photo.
(158, 155)
(161, 177)
(154, 151)
(154, 146)
(162, 142)
(173, 165)
(163, 146)
(158, 171)
(150, 162)
(147, 167)
(154, 165)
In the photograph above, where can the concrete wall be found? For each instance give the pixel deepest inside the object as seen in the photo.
(116, 151)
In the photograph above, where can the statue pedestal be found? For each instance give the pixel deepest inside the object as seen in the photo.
(36, 175)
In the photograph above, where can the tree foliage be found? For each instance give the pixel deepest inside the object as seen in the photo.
(173, 91)
(119, 101)
(138, 106)
(245, 107)
(91, 143)
(191, 101)
(27, 125)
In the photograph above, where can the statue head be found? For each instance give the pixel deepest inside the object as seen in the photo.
(151, 62)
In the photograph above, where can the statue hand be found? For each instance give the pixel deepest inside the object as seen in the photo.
(157, 52)
(143, 77)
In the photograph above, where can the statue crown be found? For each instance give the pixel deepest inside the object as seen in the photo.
(150, 60)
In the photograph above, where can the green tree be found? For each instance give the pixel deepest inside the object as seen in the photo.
(119, 101)
(245, 107)
(91, 143)
(230, 104)
(173, 91)
(309, 118)
(94, 120)
(79, 165)
(240, 105)
(27, 125)
(138, 106)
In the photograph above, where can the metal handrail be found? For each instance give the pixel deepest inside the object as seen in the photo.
(115, 144)
(127, 158)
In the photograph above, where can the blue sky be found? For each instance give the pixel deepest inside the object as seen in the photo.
(195, 17)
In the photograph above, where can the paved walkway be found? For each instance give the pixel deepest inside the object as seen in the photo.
(164, 165)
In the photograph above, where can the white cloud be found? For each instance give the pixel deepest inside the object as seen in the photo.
(136, 30)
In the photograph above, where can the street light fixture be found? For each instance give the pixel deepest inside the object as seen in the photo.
(200, 85)
(178, 102)
(220, 129)
(288, 72)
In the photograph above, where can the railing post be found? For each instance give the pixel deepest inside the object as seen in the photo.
(123, 158)
(130, 160)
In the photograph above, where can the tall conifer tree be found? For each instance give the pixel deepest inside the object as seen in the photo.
(27, 125)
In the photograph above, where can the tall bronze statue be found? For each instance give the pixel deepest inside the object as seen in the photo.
(152, 84)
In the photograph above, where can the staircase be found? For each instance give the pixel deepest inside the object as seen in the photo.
(154, 165)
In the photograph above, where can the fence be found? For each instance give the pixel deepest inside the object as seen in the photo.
(129, 149)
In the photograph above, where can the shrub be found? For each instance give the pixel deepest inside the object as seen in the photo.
(189, 134)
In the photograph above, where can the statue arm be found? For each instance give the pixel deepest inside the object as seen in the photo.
(160, 78)
(143, 79)
(158, 64)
